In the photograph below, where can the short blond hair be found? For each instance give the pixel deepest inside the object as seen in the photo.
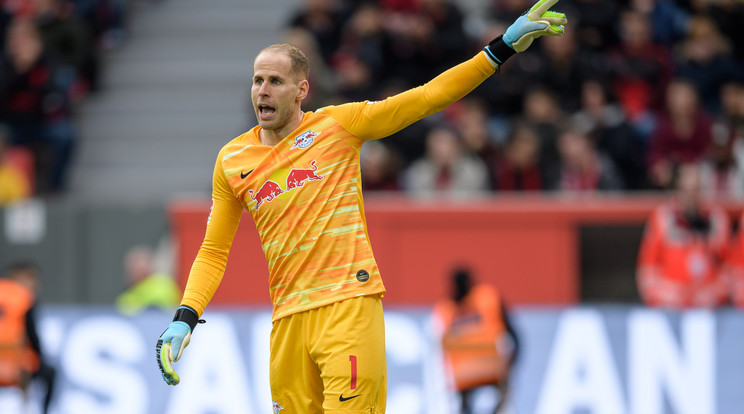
(298, 60)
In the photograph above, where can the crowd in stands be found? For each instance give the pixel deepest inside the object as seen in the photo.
(634, 89)
(50, 60)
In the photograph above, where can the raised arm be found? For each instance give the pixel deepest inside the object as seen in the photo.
(374, 120)
(205, 276)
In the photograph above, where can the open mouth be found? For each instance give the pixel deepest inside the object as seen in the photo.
(266, 111)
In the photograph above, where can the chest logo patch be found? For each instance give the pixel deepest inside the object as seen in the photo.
(304, 140)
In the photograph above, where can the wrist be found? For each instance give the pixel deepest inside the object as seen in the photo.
(187, 315)
(498, 51)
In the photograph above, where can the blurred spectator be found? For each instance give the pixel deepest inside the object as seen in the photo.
(595, 22)
(447, 44)
(16, 171)
(728, 15)
(380, 167)
(668, 19)
(446, 170)
(478, 340)
(564, 67)
(508, 10)
(704, 59)
(425, 42)
(603, 120)
(518, 166)
(683, 247)
(683, 134)
(582, 167)
(324, 20)
(364, 37)
(21, 358)
(66, 35)
(35, 106)
(148, 288)
(472, 125)
(641, 70)
(355, 79)
(544, 115)
(721, 172)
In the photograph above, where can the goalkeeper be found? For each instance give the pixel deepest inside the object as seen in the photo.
(297, 173)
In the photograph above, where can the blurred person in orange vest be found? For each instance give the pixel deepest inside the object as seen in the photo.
(479, 343)
(683, 248)
(20, 349)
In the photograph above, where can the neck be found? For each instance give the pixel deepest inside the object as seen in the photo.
(274, 136)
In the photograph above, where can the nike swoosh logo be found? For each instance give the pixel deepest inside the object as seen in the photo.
(246, 174)
(342, 398)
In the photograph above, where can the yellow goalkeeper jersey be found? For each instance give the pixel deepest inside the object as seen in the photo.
(305, 197)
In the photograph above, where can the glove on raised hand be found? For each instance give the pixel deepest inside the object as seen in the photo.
(538, 21)
(173, 341)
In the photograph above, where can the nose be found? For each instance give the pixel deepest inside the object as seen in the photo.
(263, 89)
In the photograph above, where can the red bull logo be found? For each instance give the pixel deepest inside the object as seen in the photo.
(268, 191)
(295, 179)
(298, 176)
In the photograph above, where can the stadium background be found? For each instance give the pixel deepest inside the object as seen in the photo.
(173, 86)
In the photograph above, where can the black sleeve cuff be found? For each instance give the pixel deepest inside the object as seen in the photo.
(499, 51)
(188, 315)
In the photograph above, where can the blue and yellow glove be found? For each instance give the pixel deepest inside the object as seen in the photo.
(173, 341)
(538, 21)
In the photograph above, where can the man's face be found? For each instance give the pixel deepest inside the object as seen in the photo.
(276, 91)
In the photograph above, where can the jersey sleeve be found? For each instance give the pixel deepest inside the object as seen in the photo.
(374, 120)
(211, 260)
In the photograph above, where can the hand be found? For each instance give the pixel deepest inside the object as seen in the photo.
(538, 21)
(169, 348)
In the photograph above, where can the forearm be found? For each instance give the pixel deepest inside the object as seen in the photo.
(209, 266)
(204, 278)
(447, 88)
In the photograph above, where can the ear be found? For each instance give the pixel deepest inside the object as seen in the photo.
(303, 89)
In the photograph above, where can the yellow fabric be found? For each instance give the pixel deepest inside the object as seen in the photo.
(304, 195)
(307, 369)
(13, 185)
(156, 291)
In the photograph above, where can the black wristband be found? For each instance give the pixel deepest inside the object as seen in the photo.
(188, 315)
(499, 51)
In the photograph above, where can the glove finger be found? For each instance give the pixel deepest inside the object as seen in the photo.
(164, 356)
(539, 8)
(176, 346)
(529, 27)
(555, 30)
(174, 378)
(548, 29)
(182, 344)
(554, 18)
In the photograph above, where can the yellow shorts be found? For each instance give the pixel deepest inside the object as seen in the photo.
(330, 359)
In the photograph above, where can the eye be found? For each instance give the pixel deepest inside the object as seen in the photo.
(275, 81)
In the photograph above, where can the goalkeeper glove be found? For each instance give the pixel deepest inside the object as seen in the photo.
(173, 341)
(538, 21)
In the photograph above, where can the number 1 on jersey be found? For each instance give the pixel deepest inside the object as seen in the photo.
(353, 361)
